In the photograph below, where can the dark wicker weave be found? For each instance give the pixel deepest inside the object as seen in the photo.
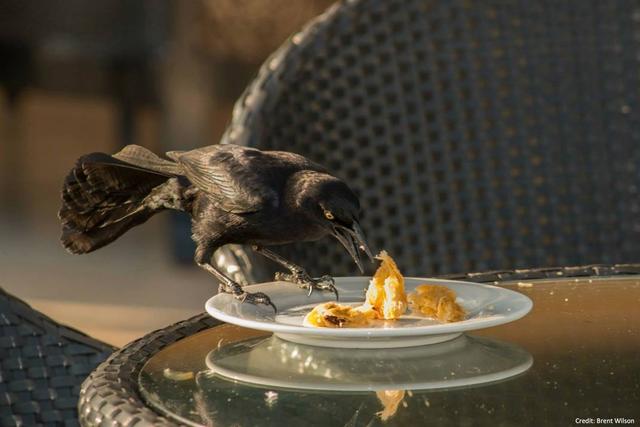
(110, 395)
(42, 365)
(479, 134)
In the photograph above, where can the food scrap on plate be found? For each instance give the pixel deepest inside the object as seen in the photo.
(334, 315)
(385, 294)
(385, 299)
(436, 301)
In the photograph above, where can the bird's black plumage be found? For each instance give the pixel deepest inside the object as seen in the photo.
(234, 194)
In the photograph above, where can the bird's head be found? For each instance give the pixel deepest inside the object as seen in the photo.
(331, 204)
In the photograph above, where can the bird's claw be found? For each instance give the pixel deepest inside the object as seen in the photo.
(325, 283)
(302, 279)
(256, 298)
(252, 298)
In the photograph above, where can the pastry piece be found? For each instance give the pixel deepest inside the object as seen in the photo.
(385, 299)
(436, 301)
(334, 315)
(385, 294)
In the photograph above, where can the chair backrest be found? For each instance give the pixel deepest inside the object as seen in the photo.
(42, 366)
(479, 135)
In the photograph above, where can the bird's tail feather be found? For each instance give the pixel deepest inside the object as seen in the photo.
(103, 197)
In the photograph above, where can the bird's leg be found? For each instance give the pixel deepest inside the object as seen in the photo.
(298, 275)
(203, 259)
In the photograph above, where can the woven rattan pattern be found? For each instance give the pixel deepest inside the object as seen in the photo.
(479, 135)
(110, 395)
(42, 365)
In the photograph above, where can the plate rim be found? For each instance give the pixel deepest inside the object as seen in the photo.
(368, 333)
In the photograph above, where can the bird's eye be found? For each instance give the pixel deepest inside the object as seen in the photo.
(328, 215)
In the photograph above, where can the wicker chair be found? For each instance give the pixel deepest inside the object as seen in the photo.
(479, 135)
(42, 365)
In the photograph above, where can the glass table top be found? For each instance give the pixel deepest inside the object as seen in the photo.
(574, 357)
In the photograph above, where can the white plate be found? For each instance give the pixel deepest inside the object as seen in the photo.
(462, 362)
(485, 306)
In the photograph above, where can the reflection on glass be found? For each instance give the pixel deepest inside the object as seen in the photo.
(276, 378)
(284, 383)
(390, 400)
(272, 362)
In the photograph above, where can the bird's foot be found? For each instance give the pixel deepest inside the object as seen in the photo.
(255, 298)
(302, 279)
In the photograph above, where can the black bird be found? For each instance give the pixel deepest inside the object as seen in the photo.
(234, 194)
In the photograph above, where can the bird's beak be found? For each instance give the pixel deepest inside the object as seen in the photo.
(353, 240)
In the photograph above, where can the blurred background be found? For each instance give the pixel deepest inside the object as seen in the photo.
(77, 77)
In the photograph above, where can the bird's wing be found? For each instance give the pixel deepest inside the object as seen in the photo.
(145, 159)
(235, 178)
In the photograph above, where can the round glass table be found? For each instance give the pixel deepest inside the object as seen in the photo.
(573, 359)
